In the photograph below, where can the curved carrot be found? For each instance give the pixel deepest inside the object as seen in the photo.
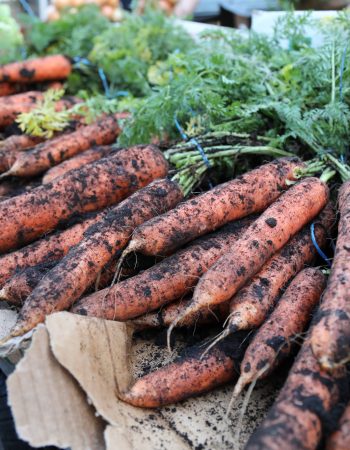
(68, 280)
(19, 142)
(90, 188)
(188, 376)
(330, 339)
(249, 193)
(54, 151)
(305, 402)
(46, 68)
(273, 341)
(268, 234)
(80, 160)
(165, 282)
(340, 439)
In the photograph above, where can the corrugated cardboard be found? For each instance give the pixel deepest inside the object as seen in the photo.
(78, 360)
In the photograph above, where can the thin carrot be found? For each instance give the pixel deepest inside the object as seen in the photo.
(8, 89)
(247, 194)
(273, 341)
(7, 159)
(267, 235)
(340, 439)
(330, 339)
(296, 419)
(54, 151)
(77, 161)
(19, 142)
(90, 188)
(23, 282)
(165, 282)
(187, 376)
(69, 279)
(54, 67)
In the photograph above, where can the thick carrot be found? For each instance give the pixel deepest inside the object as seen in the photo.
(268, 234)
(47, 68)
(340, 439)
(166, 315)
(54, 151)
(165, 282)
(330, 339)
(274, 340)
(8, 89)
(296, 419)
(188, 376)
(90, 188)
(69, 279)
(23, 282)
(7, 159)
(80, 160)
(49, 248)
(247, 194)
(19, 142)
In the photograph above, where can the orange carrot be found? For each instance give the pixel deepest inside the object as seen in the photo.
(55, 67)
(54, 151)
(340, 439)
(330, 339)
(247, 194)
(8, 89)
(165, 282)
(188, 376)
(268, 234)
(7, 159)
(68, 280)
(92, 187)
(19, 142)
(296, 419)
(77, 161)
(273, 341)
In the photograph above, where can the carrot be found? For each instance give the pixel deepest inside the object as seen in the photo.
(268, 234)
(8, 89)
(68, 280)
(340, 439)
(49, 248)
(23, 282)
(77, 161)
(19, 142)
(247, 194)
(296, 419)
(165, 282)
(187, 376)
(330, 339)
(55, 67)
(54, 151)
(273, 341)
(7, 159)
(92, 187)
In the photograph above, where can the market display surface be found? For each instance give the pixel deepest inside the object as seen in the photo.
(195, 193)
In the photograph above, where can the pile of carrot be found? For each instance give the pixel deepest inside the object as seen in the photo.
(76, 211)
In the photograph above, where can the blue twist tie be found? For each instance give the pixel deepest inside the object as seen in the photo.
(342, 68)
(27, 8)
(319, 251)
(103, 78)
(80, 60)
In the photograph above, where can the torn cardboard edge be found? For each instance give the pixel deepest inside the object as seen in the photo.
(64, 393)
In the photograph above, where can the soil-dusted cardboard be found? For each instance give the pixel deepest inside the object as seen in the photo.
(64, 392)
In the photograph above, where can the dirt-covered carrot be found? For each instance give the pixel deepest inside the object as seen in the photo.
(49, 248)
(54, 67)
(8, 89)
(266, 236)
(167, 281)
(69, 279)
(247, 194)
(274, 340)
(23, 282)
(19, 142)
(80, 160)
(7, 159)
(330, 338)
(53, 152)
(90, 188)
(340, 439)
(188, 376)
(296, 420)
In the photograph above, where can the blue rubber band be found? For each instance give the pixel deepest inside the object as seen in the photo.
(181, 130)
(342, 68)
(80, 60)
(27, 8)
(103, 78)
(319, 251)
